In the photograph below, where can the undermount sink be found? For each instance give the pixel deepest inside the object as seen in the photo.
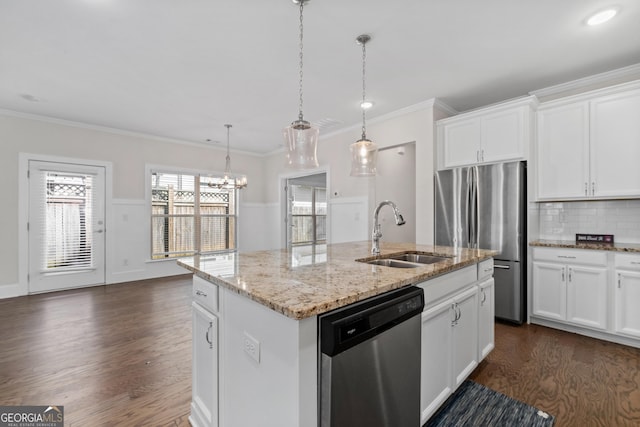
(407, 260)
(420, 258)
(388, 262)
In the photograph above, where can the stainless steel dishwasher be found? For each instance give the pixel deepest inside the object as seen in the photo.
(369, 373)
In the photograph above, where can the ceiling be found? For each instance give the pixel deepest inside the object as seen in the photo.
(182, 69)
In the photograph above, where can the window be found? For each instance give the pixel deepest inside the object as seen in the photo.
(308, 214)
(191, 215)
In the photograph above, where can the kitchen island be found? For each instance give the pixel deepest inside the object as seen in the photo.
(255, 322)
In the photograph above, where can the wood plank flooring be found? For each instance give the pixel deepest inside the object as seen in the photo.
(117, 355)
(581, 381)
(120, 355)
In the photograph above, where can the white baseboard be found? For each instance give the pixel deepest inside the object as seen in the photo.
(12, 291)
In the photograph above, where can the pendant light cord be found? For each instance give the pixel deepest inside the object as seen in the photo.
(300, 117)
(227, 168)
(364, 59)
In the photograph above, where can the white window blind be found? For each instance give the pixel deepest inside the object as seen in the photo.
(189, 215)
(66, 220)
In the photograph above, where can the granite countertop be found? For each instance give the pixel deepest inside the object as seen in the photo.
(311, 280)
(571, 244)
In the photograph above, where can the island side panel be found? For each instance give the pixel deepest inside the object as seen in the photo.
(280, 389)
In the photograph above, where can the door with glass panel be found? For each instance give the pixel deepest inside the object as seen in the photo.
(66, 226)
(306, 214)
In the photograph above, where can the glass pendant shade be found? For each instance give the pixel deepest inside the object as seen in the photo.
(364, 157)
(301, 140)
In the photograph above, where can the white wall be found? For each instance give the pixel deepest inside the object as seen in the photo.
(353, 199)
(413, 125)
(127, 236)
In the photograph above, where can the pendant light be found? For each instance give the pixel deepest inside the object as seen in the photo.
(364, 152)
(230, 182)
(301, 139)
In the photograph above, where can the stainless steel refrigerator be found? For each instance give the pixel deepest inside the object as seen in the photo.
(485, 207)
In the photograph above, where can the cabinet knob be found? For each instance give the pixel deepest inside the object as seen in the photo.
(200, 293)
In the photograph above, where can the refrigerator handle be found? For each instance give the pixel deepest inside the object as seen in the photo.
(473, 208)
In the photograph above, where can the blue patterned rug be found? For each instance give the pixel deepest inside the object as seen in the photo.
(478, 406)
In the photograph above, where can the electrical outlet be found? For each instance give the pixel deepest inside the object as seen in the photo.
(252, 347)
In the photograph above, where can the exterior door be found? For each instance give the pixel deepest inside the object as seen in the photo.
(66, 226)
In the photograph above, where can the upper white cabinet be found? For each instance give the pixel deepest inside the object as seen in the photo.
(487, 135)
(588, 145)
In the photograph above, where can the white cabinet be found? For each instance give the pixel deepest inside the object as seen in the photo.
(563, 151)
(492, 134)
(627, 291)
(615, 145)
(570, 286)
(437, 355)
(204, 389)
(465, 335)
(449, 348)
(486, 315)
(588, 145)
(451, 326)
(205, 355)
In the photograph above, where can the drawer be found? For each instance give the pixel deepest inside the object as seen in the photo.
(571, 256)
(205, 293)
(485, 268)
(446, 285)
(631, 262)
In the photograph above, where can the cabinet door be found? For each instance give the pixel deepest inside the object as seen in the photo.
(563, 151)
(465, 335)
(615, 145)
(549, 290)
(503, 135)
(627, 297)
(435, 370)
(461, 142)
(587, 296)
(486, 318)
(204, 393)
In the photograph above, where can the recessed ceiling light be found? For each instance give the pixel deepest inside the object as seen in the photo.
(602, 16)
(365, 105)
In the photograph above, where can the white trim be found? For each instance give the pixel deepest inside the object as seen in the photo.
(23, 211)
(630, 72)
(11, 291)
(116, 131)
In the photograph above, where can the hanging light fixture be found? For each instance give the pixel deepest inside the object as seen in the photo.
(229, 182)
(364, 153)
(301, 139)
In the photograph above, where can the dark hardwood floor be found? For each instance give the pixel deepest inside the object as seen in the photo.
(120, 355)
(117, 355)
(581, 381)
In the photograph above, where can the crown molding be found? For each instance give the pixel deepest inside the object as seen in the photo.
(628, 73)
(115, 131)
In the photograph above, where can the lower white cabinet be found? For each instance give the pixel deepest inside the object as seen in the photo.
(204, 390)
(457, 331)
(486, 315)
(627, 291)
(573, 292)
(437, 356)
(205, 354)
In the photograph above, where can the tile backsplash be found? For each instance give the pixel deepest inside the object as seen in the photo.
(561, 221)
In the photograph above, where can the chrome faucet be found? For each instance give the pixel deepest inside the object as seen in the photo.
(377, 234)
